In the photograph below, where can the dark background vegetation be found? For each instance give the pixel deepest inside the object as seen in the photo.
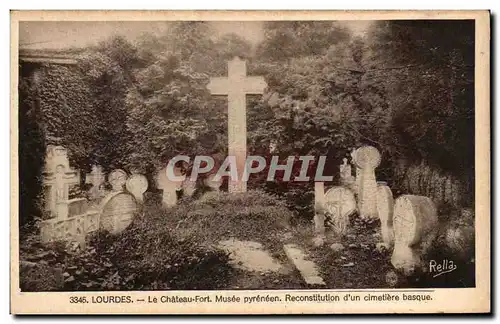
(406, 88)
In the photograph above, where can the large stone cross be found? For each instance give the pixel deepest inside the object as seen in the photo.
(236, 86)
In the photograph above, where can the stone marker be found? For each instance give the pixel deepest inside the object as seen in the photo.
(319, 208)
(346, 178)
(367, 158)
(415, 228)
(212, 183)
(117, 211)
(385, 208)
(340, 203)
(117, 178)
(307, 268)
(96, 178)
(236, 86)
(188, 187)
(250, 256)
(168, 186)
(137, 184)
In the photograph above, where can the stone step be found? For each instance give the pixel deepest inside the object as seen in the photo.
(250, 256)
(307, 268)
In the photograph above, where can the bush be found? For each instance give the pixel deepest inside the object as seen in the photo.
(146, 256)
(39, 277)
(216, 216)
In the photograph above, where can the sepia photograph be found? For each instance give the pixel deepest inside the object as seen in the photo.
(239, 156)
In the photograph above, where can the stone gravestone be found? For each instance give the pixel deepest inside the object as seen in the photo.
(96, 178)
(236, 86)
(340, 203)
(319, 208)
(137, 185)
(168, 186)
(117, 211)
(385, 208)
(212, 183)
(345, 172)
(188, 187)
(415, 228)
(58, 176)
(117, 178)
(367, 158)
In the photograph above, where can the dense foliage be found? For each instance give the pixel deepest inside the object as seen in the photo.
(31, 149)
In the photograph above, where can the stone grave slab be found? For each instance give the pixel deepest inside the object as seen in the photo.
(250, 256)
(307, 268)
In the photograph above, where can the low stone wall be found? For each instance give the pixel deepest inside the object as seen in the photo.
(71, 229)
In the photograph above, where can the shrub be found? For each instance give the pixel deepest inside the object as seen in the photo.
(39, 277)
(148, 256)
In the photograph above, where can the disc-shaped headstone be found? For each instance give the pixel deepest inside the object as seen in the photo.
(137, 184)
(367, 157)
(339, 204)
(117, 178)
(415, 217)
(117, 211)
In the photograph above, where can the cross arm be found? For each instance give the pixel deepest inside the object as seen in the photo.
(218, 85)
(255, 85)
